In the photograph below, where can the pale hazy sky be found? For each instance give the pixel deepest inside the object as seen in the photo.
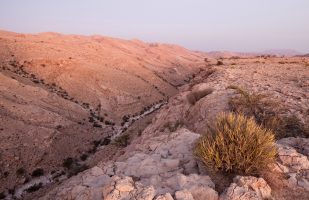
(235, 25)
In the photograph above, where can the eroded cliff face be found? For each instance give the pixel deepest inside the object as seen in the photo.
(160, 163)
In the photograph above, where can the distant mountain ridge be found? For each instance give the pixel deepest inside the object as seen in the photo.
(282, 52)
(304, 55)
(276, 52)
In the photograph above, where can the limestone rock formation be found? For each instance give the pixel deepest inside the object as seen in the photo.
(245, 188)
(292, 163)
(166, 168)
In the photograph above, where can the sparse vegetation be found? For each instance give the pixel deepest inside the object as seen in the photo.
(195, 96)
(109, 123)
(34, 187)
(291, 126)
(91, 119)
(254, 105)
(92, 150)
(67, 163)
(122, 141)
(173, 126)
(220, 63)
(58, 127)
(106, 141)
(76, 169)
(266, 113)
(96, 143)
(96, 125)
(140, 132)
(236, 144)
(20, 171)
(37, 172)
(2, 195)
(73, 167)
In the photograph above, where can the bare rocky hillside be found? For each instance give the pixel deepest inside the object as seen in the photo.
(160, 163)
(66, 98)
(62, 97)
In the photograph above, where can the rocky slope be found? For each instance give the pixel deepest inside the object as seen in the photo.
(160, 163)
(65, 97)
(62, 97)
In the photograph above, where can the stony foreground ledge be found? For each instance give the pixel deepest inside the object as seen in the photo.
(167, 170)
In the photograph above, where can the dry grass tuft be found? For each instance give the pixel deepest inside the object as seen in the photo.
(254, 105)
(266, 113)
(236, 144)
(291, 126)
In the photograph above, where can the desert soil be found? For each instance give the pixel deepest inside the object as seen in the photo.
(65, 96)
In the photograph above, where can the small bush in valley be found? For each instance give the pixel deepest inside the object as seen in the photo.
(36, 81)
(37, 172)
(96, 125)
(11, 190)
(68, 162)
(220, 63)
(106, 141)
(2, 195)
(84, 157)
(20, 171)
(109, 123)
(76, 169)
(96, 143)
(236, 144)
(195, 96)
(34, 187)
(122, 140)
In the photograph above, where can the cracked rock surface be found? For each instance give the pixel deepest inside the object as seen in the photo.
(160, 165)
(248, 187)
(166, 168)
(292, 163)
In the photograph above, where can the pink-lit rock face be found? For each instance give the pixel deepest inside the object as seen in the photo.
(60, 94)
(64, 97)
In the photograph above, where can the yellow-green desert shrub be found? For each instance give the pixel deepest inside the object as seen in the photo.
(122, 141)
(236, 144)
